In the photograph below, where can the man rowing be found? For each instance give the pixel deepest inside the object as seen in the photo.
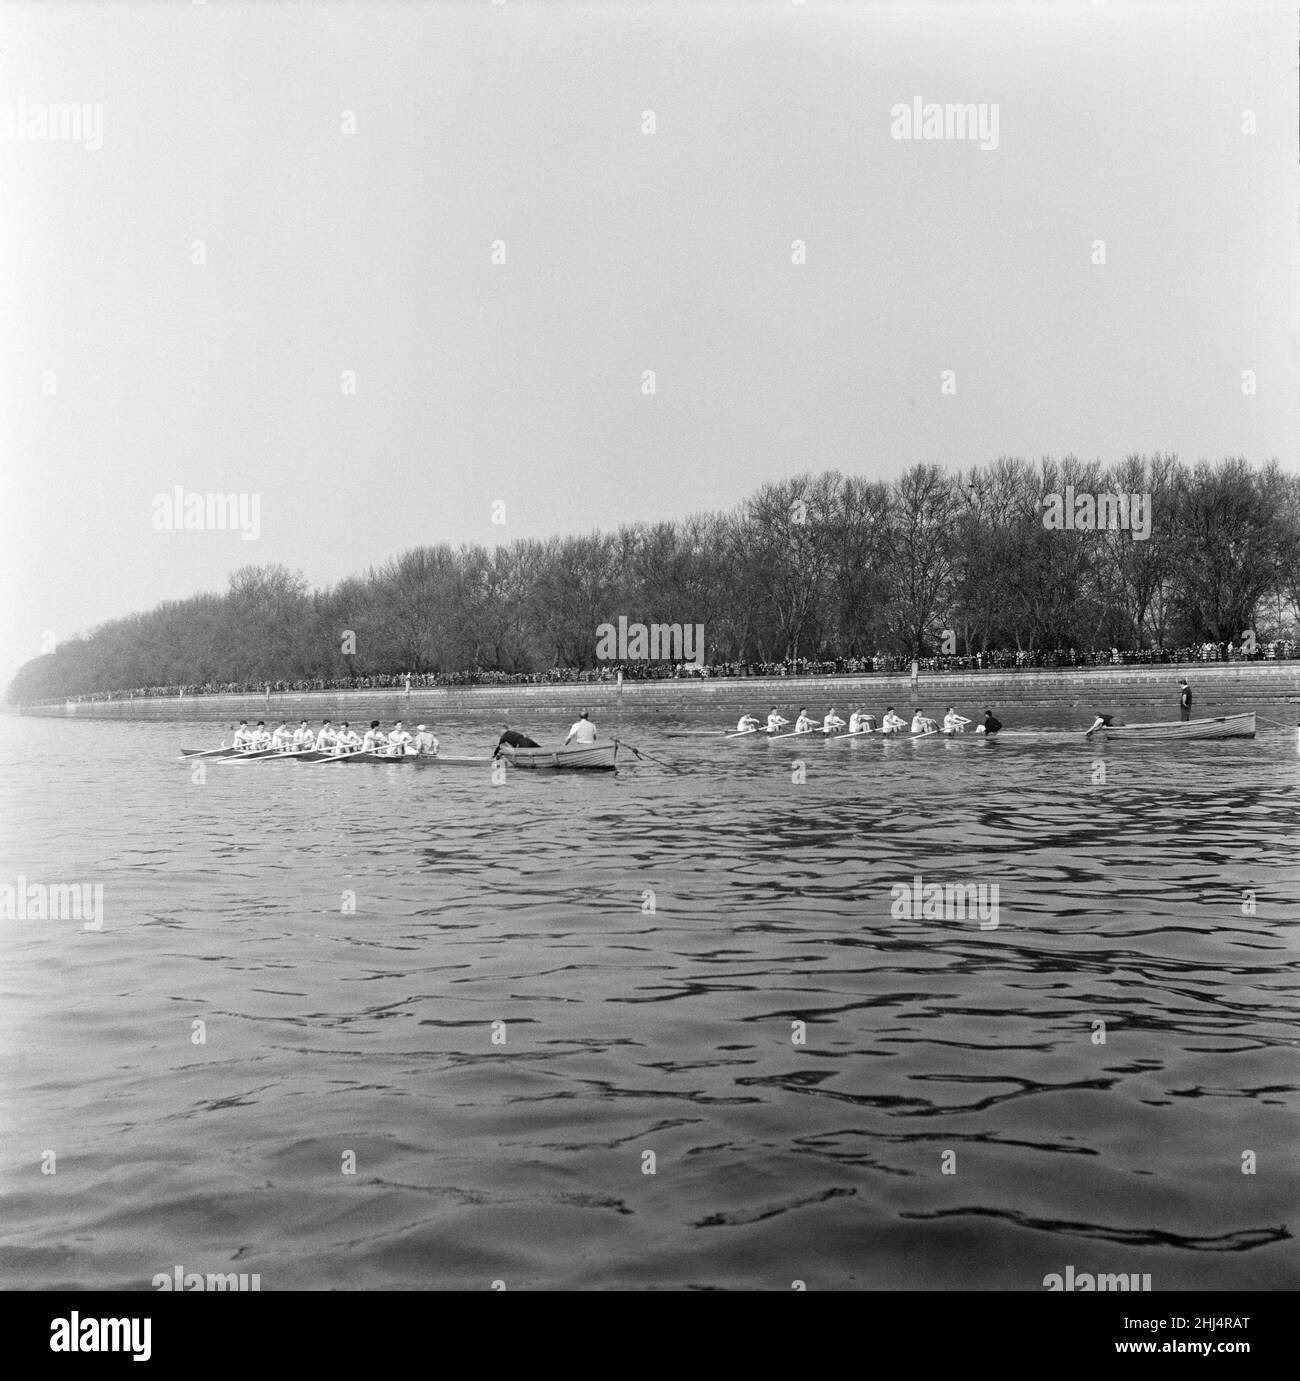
(282, 737)
(862, 723)
(325, 739)
(954, 723)
(347, 740)
(921, 724)
(892, 723)
(1103, 721)
(832, 724)
(991, 723)
(374, 741)
(424, 742)
(398, 738)
(803, 725)
(746, 724)
(261, 738)
(512, 739)
(243, 735)
(303, 738)
(775, 723)
(584, 731)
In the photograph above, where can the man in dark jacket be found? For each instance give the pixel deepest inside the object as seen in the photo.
(510, 739)
(1185, 701)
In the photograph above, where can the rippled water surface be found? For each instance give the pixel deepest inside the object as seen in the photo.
(648, 941)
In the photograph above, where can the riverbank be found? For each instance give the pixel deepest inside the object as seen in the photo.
(1216, 686)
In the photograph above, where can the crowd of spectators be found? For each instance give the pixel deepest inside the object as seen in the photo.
(879, 663)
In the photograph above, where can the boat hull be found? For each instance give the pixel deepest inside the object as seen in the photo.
(1223, 726)
(582, 756)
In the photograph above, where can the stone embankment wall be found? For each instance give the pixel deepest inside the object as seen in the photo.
(1218, 688)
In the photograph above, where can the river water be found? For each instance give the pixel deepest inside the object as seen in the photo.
(449, 1026)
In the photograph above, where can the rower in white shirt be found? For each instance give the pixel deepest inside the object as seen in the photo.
(424, 742)
(832, 724)
(892, 723)
(861, 723)
(243, 735)
(347, 740)
(325, 739)
(775, 723)
(921, 724)
(374, 741)
(583, 731)
(954, 723)
(803, 724)
(746, 724)
(280, 739)
(398, 738)
(261, 737)
(303, 737)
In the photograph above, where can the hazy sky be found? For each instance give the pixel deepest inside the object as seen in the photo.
(625, 251)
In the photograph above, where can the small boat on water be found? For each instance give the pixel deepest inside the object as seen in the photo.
(574, 755)
(1222, 726)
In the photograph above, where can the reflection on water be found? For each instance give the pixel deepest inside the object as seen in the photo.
(501, 999)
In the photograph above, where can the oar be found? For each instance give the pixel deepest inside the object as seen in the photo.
(636, 753)
(858, 733)
(740, 733)
(207, 752)
(797, 733)
(342, 757)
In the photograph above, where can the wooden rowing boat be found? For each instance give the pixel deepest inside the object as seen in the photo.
(575, 755)
(1222, 726)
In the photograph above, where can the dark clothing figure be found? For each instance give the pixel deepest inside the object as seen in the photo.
(1185, 702)
(510, 739)
(991, 722)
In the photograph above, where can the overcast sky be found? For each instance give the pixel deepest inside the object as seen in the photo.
(129, 369)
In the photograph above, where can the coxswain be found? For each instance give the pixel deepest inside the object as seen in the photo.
(281, 738)
(583, 731)
(243, 735)
(892, 723)
(954, 723)
(991, 723)
(398, 738)
(775, 723)
(511, 739)
(832, 724)
(374, 741)
(424, 742)
(347, 740)
(746, 724)
(802, 724)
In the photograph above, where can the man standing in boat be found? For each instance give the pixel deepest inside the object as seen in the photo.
(511, 739)
(584, 731)
(1185, 701)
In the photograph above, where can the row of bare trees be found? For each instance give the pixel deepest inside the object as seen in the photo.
(816, 566)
